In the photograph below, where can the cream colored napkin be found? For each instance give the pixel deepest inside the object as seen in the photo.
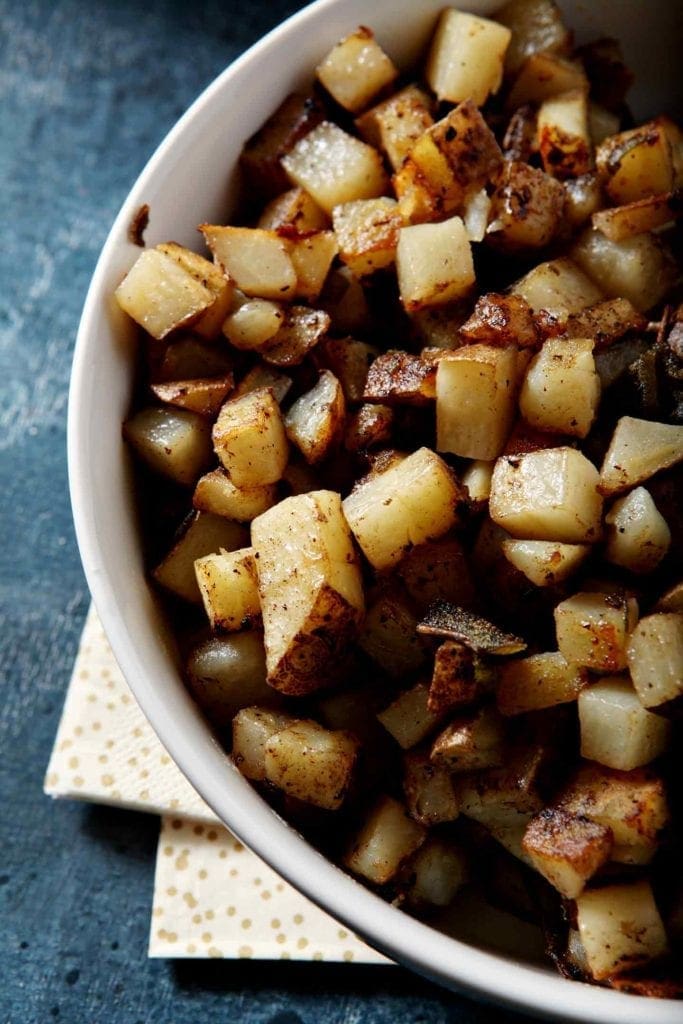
(212, 896)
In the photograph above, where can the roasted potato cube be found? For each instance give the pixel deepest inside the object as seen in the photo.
(620, 222)
(583, 197)
(428, 790)
(526, 208)
(620, 928)
(605, 322)
(227, 583)
(257, 261)
(466, 57)
(550, 494)
(388, 636)
(349, 360)
(203, 534)
(434, 263)
(312, 258)
(637, 163)
(251, 730)
(260, 377)
(655, 658)
(408, 719)
(454, 678)
(310, 589)
(293, 213)
(564, 139)
(536, 27)
(261, 157)
(400, 377)
(187, 357)
(387, 838)
(438, 569)
(417, 200)
(616, 730)
(315, 422)
(501, 320)
(369, 427)
(301, 331)
(471, 742)
(559, 286)
(396, 124)
(638, 450)
(173, 442)
(475, 215)
(566, 849)
(161, 295)
(506, 797)
(356, 69)
(539, 681)
(254, 324)
(592, 629)
(477, 479)
(334, 167)
(367, 233)
(545, 562)
(639, 269)
(204, 396)
(311, 763)
(210, 276)
(411, 502)
(228, 673)
(476, 398)
(561, 391)
(638, 536)
(437, 871)
(543, 75)
(250, 441)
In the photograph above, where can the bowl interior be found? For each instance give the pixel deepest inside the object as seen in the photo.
(191, 179)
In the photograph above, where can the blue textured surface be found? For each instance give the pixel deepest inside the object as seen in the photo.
(86, 93)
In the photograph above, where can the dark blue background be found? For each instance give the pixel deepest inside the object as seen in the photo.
(87, 90)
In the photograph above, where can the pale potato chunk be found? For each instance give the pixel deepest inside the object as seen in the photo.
(655, 658)
(251, 730)
(438, 870)
(356, 69)
(249, 439)
(334, 167)
(428, 790)
(227, 583)
(311, 763)
(639, 269)
(216, 493)
(620, 928)
(476, 399)
(638, 536)
(559, 286)
(388, 636)
(411, 502)
(257, 261)
(504, 797)
(616, 730)
(471, 742)
(315, 422)
(310, 588)
(564, 139)
(228, 673)
(293, 212)
(539, 681)
(561, 390)
(638, 450)
(395, 125)
(204, 396)
(210, 276)
(312, 257)
(477, 479)
(253, 324)
(262, 376)
(592, 630)
(387, 838)
(433, 263)
(545, 562)
(161, 295)
(526, 208)
(202, 535)
(551, 494)
(543, 75)
(566, 849)
(408, 719)
(466, 57)
(173, 442)
(367, 233)
(637, 163)
(620, 222)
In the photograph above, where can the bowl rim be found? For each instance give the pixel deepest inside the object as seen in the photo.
(450, 962)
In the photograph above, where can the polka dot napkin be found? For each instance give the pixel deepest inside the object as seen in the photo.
(212, 896)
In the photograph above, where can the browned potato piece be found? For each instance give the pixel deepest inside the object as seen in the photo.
(605, 322)
(187, 357)
(396, 124)
(616, 730)
(387, 838)
(501, 320)
(655, 658)
(543, 75)
(471, 742)
(293, 212)
(454, 679)
(260, 377)
(202, 535)
(643, 215)
(173, 442)
(388, 636)
(638, 450)
(592, 629)
(429, 793)
(583, 197)
(367, 233)
(261, 156)
(620, 928)
(438, 569)
(257, 261)
(466, 57)
(637, 163)
(399, 377)
(252, 727)
(249, 438)
(564, 140)
(228, 673)
(301, 331)
(209, 276)
(504, 799)
(369, 427)
(539, 681)
(227, 583)
(201, 396)
(356, 69)
(417, 201)
(566, 849)
(536, 27)
(349, 360)
(526, 208)
(161, 295)
(315, 422)
(409, 719)
(311, 763)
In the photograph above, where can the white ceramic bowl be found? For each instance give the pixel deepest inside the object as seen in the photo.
(188, 181)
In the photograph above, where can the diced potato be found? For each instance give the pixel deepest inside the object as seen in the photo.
(312, 258)
(204, 396)
(638, 536)
(601, 122)
(396, 124)
(400, 377)
(387, 838)
(543, 75)
(311, 763)
(315, 422)
(636, 163)
(367, 233)
(209, 276)
(228, 673)
(334, 167)
(160, 295)
(434, 263)
(616, 730)
(260, 377)
(471, 742)
(501, 320)
(466, 57)
(428, 790)
(592, 629)
(187, 357)
(638, 450)
(545, 562)
(310, 588)
(252, 727)
(417, 200)
(408, 719)
(437, 871)
(505, 797)
(454, 679)
(526, 209)
(227, 583)
(639, 269)
(566, 849)
(605, 322)
(202, 535)
(216, 493)
(301, 331)
(620, 222)
(369, 427)
(655, 658)
(583, 197)
(257, 261)
(561, 391)
(438, 569)
(356, 69)
(564, 140)
(260, 161)
(173, 442)
(253, 324)
(388, 636)
(559, 286)
(476, 214)
(293, 212)
(620, 928)
(250, 441)
(476, 398)
(536, 27)
(477, 479)
(349, 360)
(410, 503)
(539, 681)
(550, 494)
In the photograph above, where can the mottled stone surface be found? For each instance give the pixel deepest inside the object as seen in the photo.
(87, 90)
